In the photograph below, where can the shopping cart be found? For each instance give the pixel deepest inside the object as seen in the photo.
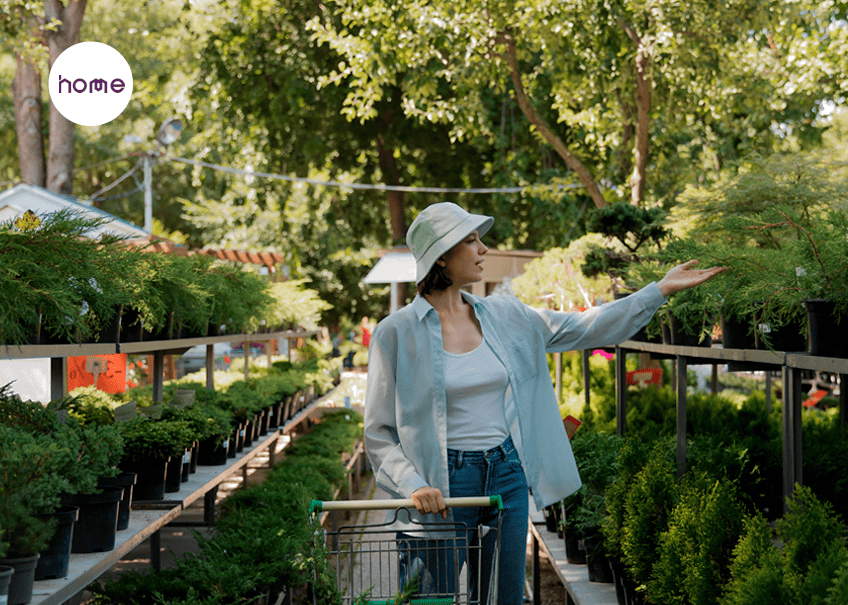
(429, 566)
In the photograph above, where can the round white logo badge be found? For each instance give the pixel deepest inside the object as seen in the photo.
(90, 83)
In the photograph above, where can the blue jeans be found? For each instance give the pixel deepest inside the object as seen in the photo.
(495, 471)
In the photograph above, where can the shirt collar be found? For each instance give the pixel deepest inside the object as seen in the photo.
(422, 307)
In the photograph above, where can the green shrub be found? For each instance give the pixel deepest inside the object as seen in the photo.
(262, 537)
(694, 552)
(144, 437)
(796, 565)
(649, 502)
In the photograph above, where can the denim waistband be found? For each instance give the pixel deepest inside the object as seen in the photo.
(504, 449)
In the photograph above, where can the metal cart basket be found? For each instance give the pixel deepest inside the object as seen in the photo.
(376, 566)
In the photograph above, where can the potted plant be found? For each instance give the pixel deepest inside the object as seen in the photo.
(29, 483)
(239, 297)
(59, 283)
(595, 454)
(695, 549)
(148, 446)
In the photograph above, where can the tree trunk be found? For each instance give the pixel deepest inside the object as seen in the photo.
(549, 135)
(60, 161)
(396, 199)
(624, 155)
(643, 120)
(26, 91)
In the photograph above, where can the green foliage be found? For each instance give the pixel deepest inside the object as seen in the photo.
(596, 455)
(83, 453)
(648, 505)
(694, 552)
(144, 437)
(558, 277)
(295, 306)
(802, 570)
(262, 537)
(629, 225)
(91, 405)
(756, 570)
(54, 274)
(29, 484)
(208, 421)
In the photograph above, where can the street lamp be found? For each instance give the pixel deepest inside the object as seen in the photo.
(169, 132)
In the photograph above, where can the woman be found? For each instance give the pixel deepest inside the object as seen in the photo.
(459, 400)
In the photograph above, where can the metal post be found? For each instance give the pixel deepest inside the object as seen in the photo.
(148, 193)
(58, 377)
(210, 366)
(246, 348)
(537, 597)
(843, 401)
(792, 459)
(681, 416)
(620, 391)
(209, 499)
(156, 550)
(158, 379)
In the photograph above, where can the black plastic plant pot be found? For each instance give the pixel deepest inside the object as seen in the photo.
(127, 481)
(131, 326)
(680, 337)
(213, 452)
(736, 333)
(150, 482)
(174, 473)
(56, 556)
(264, 420)
(827, 336)
(195, 450)
(790, 337)
(98, 519)
(247, 436)
(231, 442)
(5, 579)
(596, 561)
(20, 583)
(574, 554)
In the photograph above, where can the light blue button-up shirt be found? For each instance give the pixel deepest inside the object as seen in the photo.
(405, 402)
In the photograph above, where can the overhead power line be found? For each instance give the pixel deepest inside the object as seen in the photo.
(377, 186)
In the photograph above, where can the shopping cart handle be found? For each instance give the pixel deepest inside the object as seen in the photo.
(327, 505)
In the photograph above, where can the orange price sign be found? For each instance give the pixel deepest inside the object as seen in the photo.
(107, 372)
(645, 377)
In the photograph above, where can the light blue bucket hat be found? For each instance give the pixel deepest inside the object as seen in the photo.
(437, 229)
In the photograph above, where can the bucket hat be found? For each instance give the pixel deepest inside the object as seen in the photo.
(437, 229)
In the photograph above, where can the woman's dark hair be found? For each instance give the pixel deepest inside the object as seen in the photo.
(436, 279)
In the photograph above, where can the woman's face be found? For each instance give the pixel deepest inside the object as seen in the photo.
(464, 262)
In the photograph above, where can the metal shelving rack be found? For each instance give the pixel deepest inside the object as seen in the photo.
(146, 522)
(159, 348)
(789, 364)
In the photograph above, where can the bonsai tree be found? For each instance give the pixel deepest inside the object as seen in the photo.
(631, 227)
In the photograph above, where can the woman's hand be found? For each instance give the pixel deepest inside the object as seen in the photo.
(682, 277)
(429, 500)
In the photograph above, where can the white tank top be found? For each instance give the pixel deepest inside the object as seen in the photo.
(475, 384)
